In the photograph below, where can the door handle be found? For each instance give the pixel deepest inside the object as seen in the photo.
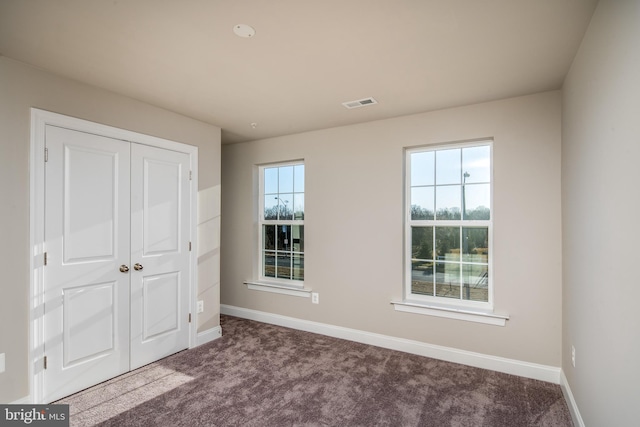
(137, 267)
(124, 268)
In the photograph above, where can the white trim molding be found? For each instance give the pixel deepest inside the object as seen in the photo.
(500, 364)
(452, 313)
(278, 289)
(571, 402)
(208, 335)
(24, 401)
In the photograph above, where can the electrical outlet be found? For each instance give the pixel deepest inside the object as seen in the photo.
(1, 362)
(200, 306)
(315, 298)
(573, 356)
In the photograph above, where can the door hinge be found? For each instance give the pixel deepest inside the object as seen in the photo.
(45, 258)
(45, 362)
(189, 317)
(190, 175)
(189, 246)
(46, 155)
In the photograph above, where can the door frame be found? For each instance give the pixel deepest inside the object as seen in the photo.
(39, 120)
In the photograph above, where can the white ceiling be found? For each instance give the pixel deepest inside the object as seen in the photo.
(306, 58)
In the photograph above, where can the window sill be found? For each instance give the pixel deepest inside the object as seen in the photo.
(277, 288)
(466, 314)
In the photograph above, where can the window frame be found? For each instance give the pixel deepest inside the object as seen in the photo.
(441, 301)
(292, 283)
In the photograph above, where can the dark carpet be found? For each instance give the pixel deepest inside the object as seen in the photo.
(264, 375)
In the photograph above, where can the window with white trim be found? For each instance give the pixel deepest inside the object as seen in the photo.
(281, 220)
(448, 225)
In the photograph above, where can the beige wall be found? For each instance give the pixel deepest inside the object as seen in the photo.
(601, 202)
(22, 87)
(354, 228)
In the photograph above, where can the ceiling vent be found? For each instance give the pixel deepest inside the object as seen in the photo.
(359, 103)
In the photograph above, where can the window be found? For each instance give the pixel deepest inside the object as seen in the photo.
(282, 223)
(448, 225)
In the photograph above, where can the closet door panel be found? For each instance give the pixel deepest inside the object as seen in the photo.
(86, 309)
(159, 252)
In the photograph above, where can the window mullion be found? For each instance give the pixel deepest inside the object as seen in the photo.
(460, 264)
(434, 260)
(291, 257)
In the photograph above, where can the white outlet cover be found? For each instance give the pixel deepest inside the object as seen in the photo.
(315, 298)
(200, 306)
(1, 362)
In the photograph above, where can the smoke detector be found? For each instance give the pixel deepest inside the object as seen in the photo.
(244, 30)
(359, 103)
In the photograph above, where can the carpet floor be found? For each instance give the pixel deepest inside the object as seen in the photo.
(264, 375)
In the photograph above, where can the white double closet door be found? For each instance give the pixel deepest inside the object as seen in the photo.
(116, 279)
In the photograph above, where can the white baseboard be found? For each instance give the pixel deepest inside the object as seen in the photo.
(509, 366)
(208, 335)
(571, 402)
(24, 401)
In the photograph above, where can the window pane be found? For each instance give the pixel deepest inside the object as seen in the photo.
(449, 188)
(448, 243)
(421, 277)
(422, 242)
(285, 179)
(285, 206)
(422, 203)
(283, 266)
(270, 207)
(269, 237)
(476, 199)
(448, 202)
(297, 238)
(298, 206)
(269, 264)
(448, 280)
(298, 267)
(448, 165)
(475, 282)
(475, 245)
(298, 178)
(476, 164)
(284, 236)
(282, 251)
(270, 180)
(422, 168)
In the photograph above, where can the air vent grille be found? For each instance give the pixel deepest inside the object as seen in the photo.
(359, 103)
